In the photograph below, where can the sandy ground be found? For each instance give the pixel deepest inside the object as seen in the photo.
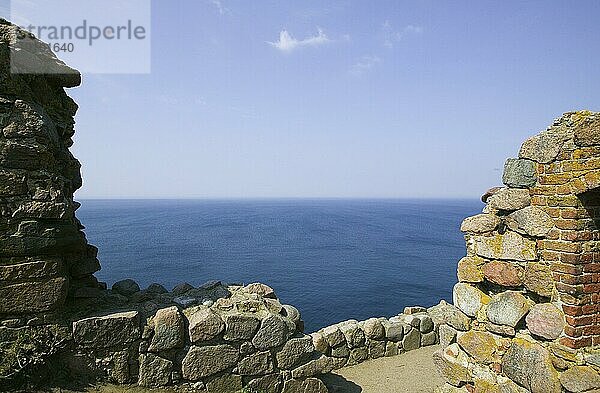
(411, 372)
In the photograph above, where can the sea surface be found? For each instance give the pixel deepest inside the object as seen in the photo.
(334, 259)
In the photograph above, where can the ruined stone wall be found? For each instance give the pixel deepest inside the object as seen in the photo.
(529, 286)
(44, 255)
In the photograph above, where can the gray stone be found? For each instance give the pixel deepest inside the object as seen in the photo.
(154, 371)
(447, 335)
(273, 332)
(394, 331)
(519, 173)
(259, 363)
(545, 320)
(469, 299)
(391, 349)
(507, 308)
(202, 362)
(119, 372)
(530, 365)
(412, 340)
(358, 355)
(376, 348)
(428, 339)
(544, 147)
(333, 335)
(341, 351)
(204, 325)
(114, 330)
(481, 223)
(239, 327)
(510, 199)
(261, 290)
(413, 310)
(319, 342)
(586, 128)
(292, 313)
(294, 352)
(268, 384)
(33, 296)
(374, 329)
(449, 314)
(169, 330)
(156, 288)
(182, 288)
(354, 335)
(315, 367)
(538, 279)
(209, 285)
(580, 379)
(227, 383)
(126, 287)
(426, 324)
(502, 330)
(531, 221)
(309, 385)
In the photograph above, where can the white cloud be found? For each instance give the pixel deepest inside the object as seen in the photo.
(391, 36)
(288, 43)
(364, 64)
(222, 9)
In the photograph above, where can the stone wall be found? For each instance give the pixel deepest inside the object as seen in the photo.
(529, 287)
(352, 342)
(44, 255)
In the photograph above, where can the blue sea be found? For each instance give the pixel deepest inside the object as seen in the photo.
(333, 259)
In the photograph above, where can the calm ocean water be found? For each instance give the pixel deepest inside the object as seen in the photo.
(333, 259)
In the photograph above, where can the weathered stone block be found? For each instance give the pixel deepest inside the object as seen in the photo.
(482, 346)
(545, 320)
(309, 385)
(204, 325)
(538, 279)
(273, 332)
(510, 199)
(33, 296)
(530, 365)
(519, 173)
(531, 221)
(239, 327)
(469, 299)
(295, 351)
(259, 363)
(469, 269)
(481, 223)
(507, 308)
(503, 273)
(154, 371)
(169, 330)
(201, 362)
(580, 379)
(545, 147)
(587, 128)
(509, 246)
(452, 363)
(114, 330)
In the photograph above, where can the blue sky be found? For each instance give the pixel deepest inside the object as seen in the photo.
(421, 98)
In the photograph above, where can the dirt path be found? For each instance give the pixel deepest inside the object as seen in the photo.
(411, 372)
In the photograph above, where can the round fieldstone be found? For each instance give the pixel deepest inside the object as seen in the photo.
(507, 308)
(545, 320)
(126, 287)
(374, 329)
(468, 298)
(333, 335)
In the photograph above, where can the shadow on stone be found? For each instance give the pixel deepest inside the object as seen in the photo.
(338, 384)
